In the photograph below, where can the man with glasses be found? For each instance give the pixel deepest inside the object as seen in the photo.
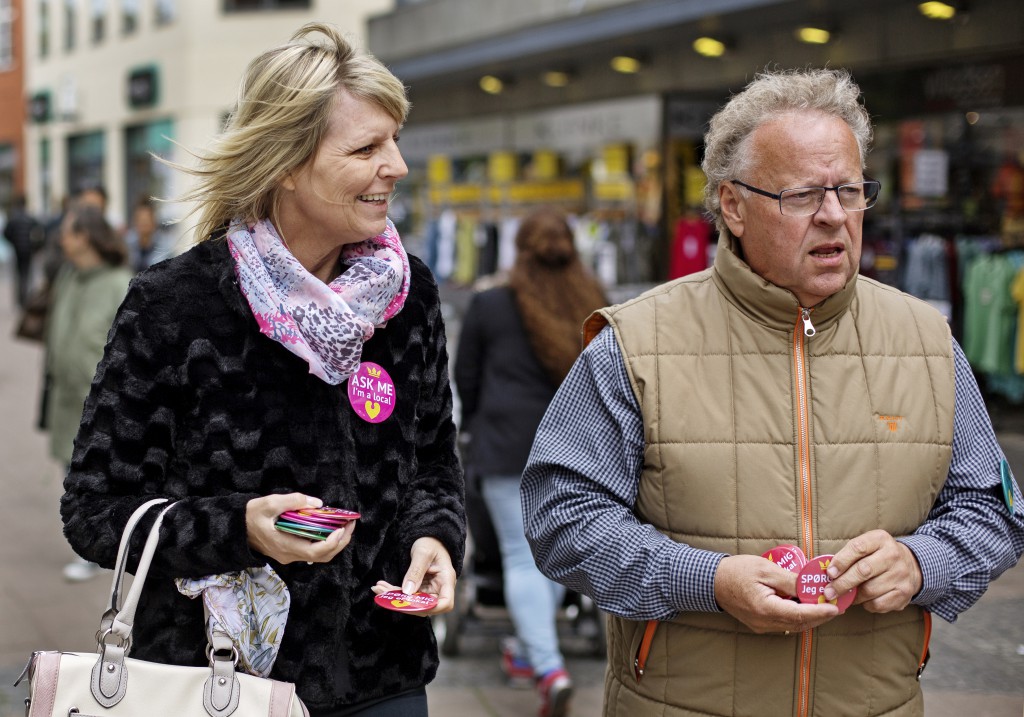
(776, 399)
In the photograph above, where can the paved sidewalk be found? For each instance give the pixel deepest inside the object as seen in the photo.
(977, 667)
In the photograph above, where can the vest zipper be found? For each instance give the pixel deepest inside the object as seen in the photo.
(925, 653)
(803, 330)
(640, 663)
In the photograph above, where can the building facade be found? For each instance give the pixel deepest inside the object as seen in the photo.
(12, 99)
(601, 105)
(112, 82)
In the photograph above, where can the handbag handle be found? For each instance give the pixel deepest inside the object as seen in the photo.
(120, 566)
(125, 618)
(109, 676)
(109, 680)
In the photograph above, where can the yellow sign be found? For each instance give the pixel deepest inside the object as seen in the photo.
(439, 169)
(616, 159)
(545, 165)
(614, 190)
(501, 167)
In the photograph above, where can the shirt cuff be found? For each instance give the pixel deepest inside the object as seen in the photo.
(934, 563)
(694, 580)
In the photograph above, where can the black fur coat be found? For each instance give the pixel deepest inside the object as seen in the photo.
(191, 402)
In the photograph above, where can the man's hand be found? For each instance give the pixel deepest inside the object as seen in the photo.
(745, 587)
(884, 571)
(262, 513)
(430, 571)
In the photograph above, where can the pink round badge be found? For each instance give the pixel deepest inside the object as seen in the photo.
(371, 392)
(812, 581)
(789, 557)
(404, 602)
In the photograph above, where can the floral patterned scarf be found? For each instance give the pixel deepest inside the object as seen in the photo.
(325, 324)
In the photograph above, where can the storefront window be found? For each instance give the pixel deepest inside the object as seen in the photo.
(472, 182)
(44, 28)
(46, 177)
(85, 161)
(99, 20)
(144, 176)
(165, 12)
(6, 35)
(249, 5)
(129, 16)
(70, 19)
(7, 163)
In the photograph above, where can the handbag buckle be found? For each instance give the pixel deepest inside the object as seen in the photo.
(218, 656)
(125, 643)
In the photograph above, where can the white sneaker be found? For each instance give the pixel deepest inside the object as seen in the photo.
(80, 570)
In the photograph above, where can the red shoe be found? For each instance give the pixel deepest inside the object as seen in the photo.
(555, 689)
(516, 668)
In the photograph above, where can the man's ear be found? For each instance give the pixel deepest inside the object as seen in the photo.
(732, 208)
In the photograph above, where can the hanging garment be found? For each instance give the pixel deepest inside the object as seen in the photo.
(990, 314)
(689, 247)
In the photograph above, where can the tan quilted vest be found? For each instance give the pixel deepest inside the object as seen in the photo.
(757, 435)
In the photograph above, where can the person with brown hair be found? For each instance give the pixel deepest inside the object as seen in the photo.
(86, 293)
(148, 242)
(518, 342)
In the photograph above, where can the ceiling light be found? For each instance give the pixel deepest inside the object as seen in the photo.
(813, 35)
(555, 78)
(491, 85)
(709, 47)
(937, 10)
(626, 64)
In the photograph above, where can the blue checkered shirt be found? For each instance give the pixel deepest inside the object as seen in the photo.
(580, 486)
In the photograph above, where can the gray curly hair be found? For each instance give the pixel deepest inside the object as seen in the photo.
(770, 94)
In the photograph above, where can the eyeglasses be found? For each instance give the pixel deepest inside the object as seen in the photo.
(805, 201)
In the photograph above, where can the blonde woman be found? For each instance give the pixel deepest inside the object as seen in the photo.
(236, 381)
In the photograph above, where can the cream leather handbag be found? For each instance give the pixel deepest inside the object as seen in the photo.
(68, 684)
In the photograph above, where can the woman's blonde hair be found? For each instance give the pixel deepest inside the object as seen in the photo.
(772, 93)
(281, 114)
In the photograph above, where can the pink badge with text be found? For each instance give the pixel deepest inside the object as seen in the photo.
(812, 581)
(371, 392)
(789, 557)
(404, 602)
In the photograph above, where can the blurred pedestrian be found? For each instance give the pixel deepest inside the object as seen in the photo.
(25, 234)
(86, 293)
(294, 357)
(517, 344)
(53, 254)
(147, 241)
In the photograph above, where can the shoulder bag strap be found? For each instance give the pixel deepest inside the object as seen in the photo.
(121, 565)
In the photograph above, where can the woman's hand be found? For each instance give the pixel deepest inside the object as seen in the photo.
(431, 572)
(260, 515)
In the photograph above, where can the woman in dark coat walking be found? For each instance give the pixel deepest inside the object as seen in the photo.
(295, 357)
(517, 344)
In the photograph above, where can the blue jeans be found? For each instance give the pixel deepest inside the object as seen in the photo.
(532, 600)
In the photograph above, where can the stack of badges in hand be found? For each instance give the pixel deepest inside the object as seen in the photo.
(314, 523)
(812, 576)
(404, 602)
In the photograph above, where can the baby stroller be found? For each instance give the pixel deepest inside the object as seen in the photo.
(480, 602)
